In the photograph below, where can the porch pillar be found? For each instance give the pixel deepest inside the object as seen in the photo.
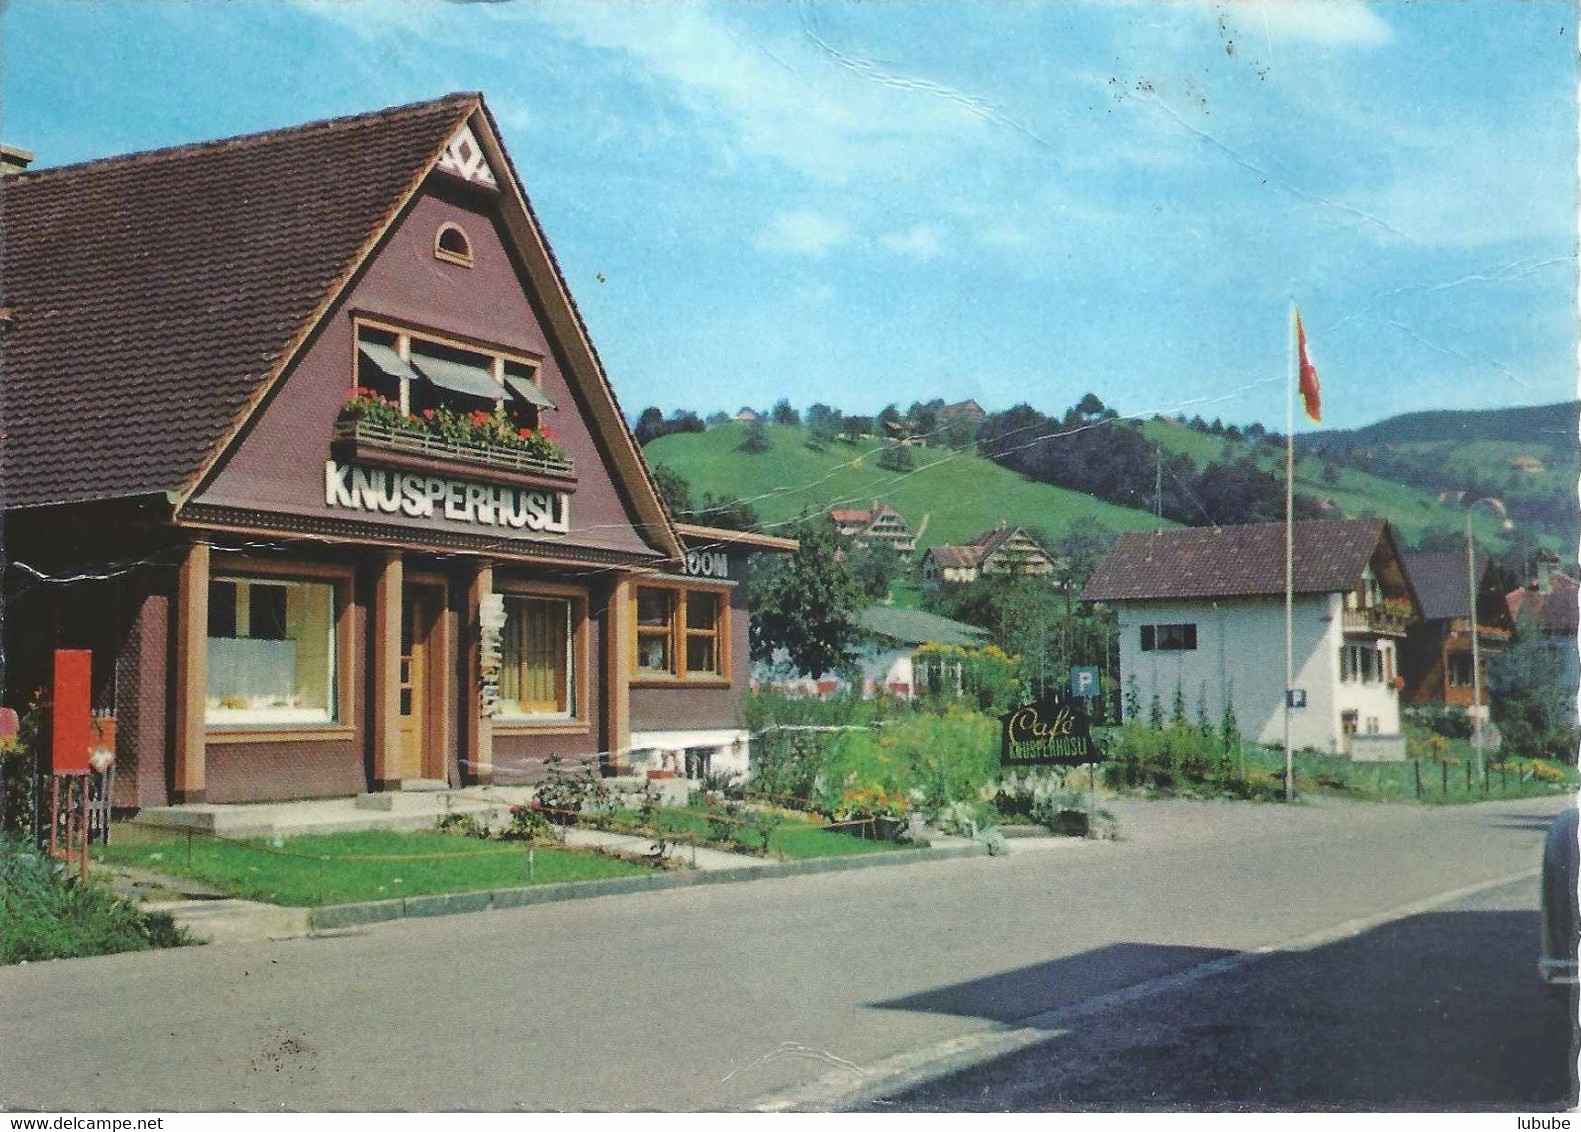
(478, 752)
(617, 675)
(385, 708)
(192, 676)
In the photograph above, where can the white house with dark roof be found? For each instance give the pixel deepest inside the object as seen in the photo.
(1201, 610)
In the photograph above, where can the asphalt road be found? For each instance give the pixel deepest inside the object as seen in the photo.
(836, 990)
(1437, 1011)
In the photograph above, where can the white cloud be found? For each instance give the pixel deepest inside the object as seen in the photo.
(1329, 23)
(920, 241)
(803, 232)
(788, 98)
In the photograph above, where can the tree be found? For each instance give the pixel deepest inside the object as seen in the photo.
(673, 489)
(726, 513)
(806, 603)
(784, 414)
(756, 441)
(896, 458)
(717, 418)
(1532, 687)
(650, 425)
(1090, 408)
(875, 566)
(822, 421)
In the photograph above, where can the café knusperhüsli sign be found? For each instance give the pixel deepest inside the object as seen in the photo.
(424, 496)
(1053, 731)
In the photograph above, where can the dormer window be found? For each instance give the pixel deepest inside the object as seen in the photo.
(452, 246)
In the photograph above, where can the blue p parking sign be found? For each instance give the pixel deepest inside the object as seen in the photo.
(1084, 682)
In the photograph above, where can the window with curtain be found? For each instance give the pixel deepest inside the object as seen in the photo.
(537, 652)
(271, 652)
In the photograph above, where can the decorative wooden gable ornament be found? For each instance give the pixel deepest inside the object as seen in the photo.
(464, 158)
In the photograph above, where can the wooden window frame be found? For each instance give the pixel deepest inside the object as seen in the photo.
(407, 333)
(461, 259)
(578, 722)
(344, 579)
(678, 634)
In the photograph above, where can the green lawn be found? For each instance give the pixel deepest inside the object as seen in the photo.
(792, 839)
(1442, 781)
(949, 497)
(323, 869)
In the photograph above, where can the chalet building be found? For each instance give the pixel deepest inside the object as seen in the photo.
(1002, 550)
(1202, 610)
(748, 416)
(306, 441)
(865, 526)
(1436, 656)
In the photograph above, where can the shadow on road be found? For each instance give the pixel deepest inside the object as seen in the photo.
(1441, 1011)
(1026, 991)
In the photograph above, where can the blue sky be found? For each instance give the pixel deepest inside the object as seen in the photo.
(875, 202)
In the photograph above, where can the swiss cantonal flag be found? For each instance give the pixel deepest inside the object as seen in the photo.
(1311, 400)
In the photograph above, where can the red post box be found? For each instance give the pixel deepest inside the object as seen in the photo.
(70, 712)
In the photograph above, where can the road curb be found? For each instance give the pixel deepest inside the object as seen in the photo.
(335, 917)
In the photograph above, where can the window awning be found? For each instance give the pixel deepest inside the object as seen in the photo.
(388, 361)
(527, 389)
(458, 377)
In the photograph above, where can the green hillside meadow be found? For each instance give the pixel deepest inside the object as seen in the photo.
(949, 497)
(1410, 512)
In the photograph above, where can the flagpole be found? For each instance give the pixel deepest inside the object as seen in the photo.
(1290, 551)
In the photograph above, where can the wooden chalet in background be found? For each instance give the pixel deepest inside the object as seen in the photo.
(1002, 550)
(880, 523)
(1436, 656)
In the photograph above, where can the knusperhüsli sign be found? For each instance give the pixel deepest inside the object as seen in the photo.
(424, 496)
(1051, 732)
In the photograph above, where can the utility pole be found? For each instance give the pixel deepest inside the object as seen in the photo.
(1158, 485)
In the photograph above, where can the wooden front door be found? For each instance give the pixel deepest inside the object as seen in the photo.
(420, 681)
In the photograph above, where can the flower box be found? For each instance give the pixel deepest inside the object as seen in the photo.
(416, 451)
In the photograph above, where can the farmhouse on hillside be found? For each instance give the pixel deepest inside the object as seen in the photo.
(1436, 656)
(1201, 612)
(880, 523)
(1001, 550)
(308, 445)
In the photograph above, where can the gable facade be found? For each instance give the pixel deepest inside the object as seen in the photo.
(322, 604)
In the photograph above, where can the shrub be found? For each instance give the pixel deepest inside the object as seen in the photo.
(567, 794)
(46, 912)
(1441, 719)
(528, 823)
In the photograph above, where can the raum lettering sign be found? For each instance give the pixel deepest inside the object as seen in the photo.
(1051, 732)
(426, 496)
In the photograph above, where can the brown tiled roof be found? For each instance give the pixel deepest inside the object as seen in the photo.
(1439, 580)
(1556, 611)
(850, 515)
(153, 293)
(1244, 561)
(955, 557)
